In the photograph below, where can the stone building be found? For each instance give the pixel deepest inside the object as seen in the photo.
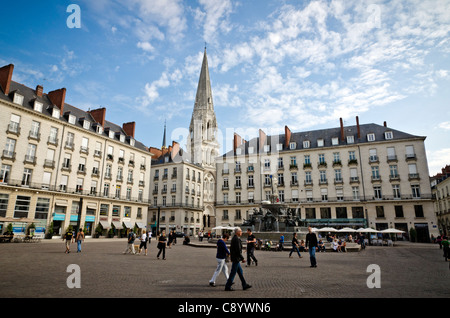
(63, 166)
(441, 193)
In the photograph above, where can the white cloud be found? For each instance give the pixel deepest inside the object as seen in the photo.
(445, 125)
(437, 160)
(146, 46)
(214, 18)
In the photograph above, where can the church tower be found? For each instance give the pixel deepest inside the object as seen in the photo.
(203, 144)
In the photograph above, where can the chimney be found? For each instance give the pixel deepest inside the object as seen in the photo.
(39, 90)
(99, 115)
(57, 98)
(236, 142)
(357, 127)
(175, 149)
(129, 128)
(342, 130)
(5, 77)
(287, 137)
(262, 140)
(385, 124)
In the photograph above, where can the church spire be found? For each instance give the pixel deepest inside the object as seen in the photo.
(203, 99)
(164, 137)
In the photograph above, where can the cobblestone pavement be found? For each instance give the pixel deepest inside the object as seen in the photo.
(40, 270)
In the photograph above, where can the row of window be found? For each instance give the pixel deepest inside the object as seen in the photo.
(357, 212)
(293, 163)
(308, 197)
(22, 208)
(319, 143)
(38, 106)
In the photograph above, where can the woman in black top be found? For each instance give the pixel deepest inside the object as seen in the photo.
(162, 244)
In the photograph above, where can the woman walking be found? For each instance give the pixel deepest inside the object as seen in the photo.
(162, 244)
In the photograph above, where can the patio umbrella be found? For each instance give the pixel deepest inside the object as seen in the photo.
(369, 230)
(327, 229)
(393, 231)
(347, 229)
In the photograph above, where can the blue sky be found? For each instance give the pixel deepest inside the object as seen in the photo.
(303, 64)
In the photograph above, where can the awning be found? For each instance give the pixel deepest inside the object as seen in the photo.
(140, 225)
(105, 224)
(117, 225)
(128, 225)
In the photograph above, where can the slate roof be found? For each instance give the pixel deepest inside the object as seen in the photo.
(29, 96)
(327, 135)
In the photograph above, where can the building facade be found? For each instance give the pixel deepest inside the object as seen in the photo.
(359, 176)
(441, 194)
(62, 166)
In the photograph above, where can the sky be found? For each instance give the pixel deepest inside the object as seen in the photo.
(272, 63)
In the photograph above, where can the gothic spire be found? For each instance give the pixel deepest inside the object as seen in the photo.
(203, 99)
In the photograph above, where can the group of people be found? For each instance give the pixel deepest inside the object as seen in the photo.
(235, 255)
(70, 238)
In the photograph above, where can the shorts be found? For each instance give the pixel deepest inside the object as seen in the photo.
(143, 245)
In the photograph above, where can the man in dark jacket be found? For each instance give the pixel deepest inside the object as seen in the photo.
(236, 257)
(311, 244)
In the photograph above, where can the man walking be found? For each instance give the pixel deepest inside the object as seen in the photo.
(130, 243)
(69, 238)
(236, 257)
(251, 244)
(80, 238)
(311, 243)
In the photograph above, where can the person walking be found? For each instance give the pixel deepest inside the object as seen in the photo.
(236, 257)
(222, 253)
(130, 243)
(251, 244)
(445, 245)
(143, 244)
(80, 238)
(311, 244)
(281, 243)
(171, 237)
(162, 244)
(69, 238)
(295, 246)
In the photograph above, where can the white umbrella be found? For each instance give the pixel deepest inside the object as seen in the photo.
(369, 230)
(327, 229)
(393, 231)
(347, 229)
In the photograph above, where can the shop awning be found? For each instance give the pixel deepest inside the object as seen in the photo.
(117, 225)
(105, 224)
(128, 225)
(140, 225)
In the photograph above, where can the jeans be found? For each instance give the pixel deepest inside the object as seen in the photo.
(250, 255)
(294, 248)
(312, 256)
(221, 267)
(79, 246)
(235, 268)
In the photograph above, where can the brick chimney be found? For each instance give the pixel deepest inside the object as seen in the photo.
(129, 128)
(175, 149)
(385, 124)
(57, 97)
(99, 115)
(357, 127)
(262, 140)
(5, 77)
(287, 137)
(39, 90)
(342, 130)
(236, 142)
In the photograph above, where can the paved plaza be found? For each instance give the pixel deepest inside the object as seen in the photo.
(40, 270)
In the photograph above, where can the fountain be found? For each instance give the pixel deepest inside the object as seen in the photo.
(274, 219)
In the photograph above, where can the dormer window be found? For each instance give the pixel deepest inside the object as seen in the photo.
(292, 145)
(131, 142)
(388, 135)
(320, 143)
(266, 148)
(335, 141)
(122, 138)
(306, 144)
(18, 99)
(279, 146)
(72, 119)
(350, 139)
(250, 150)
(99, 129)
(86, 124)
(111, 134)
(55, 112)
(238, 151)
(371, 137)
(38, 106)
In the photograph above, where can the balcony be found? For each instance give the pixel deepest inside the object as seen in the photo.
(84, 150)
(49, 163)
(322, 164)
(413, 176)
(410, 156)
(394, 177)
(69, 145)
(36, 135)
(30, 159)
(352, 162)
(98, 153)
(392, 158)
(9, 155)
(354, 179)
(373, 159)
(13, 128)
